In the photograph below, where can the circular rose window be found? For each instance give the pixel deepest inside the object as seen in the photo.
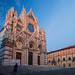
(31, 28)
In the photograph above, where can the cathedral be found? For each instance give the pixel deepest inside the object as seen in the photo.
(21, 39)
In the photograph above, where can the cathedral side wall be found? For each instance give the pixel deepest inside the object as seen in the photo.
(2, 45)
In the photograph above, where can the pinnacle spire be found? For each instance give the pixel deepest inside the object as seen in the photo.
(30, 8)
(24, 9)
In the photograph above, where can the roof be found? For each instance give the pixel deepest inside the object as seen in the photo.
(62, 49)
(1, 30)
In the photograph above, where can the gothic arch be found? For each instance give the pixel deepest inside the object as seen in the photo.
(40, 47)
(32, 44)
(21, 41)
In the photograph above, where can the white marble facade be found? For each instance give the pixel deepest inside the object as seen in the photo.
(24, 40)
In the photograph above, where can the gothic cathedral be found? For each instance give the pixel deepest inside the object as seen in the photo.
(21, 39)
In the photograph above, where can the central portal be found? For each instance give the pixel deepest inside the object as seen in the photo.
(30, 58)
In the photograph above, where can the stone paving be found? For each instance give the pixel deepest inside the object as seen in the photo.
(70, 71)
(28, 70)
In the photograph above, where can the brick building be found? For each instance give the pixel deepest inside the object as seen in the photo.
(64, 57)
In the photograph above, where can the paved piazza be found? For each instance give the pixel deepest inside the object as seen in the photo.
(37, 70)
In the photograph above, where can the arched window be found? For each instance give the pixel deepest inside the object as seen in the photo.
(53, 55)
(49, 56)
(49, 61)
(63, 59)
(74, 51)
(31, 46)
(58, 60)
(69, 58)
(73, 59)
(58, 54)
(68, 52)
(63, 65)
(40, 47)
(69, 64)
(63, 53)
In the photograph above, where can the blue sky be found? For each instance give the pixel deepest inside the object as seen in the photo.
(57, 17)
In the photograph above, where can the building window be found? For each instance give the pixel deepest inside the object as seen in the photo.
(49, 61)
(53, 55)
(31, 45)
(58, 60)
(63, 65)
(68, 52)
(63, 53)
(31, 28)
(74, 51)
(13, 15)
(69, 64)
(69, 58)
(49, 56)
(63, 59)
(73, 59)
(58, 54)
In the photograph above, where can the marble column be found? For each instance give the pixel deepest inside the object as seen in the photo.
(35, 58)
(25, 57)
(42, 59)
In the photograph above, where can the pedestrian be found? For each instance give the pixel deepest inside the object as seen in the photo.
(15, 68)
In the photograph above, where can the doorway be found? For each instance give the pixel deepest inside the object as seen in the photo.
(30, 58)
(54, 62)
(18, 56)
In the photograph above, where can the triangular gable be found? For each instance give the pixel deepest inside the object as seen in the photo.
(19, 20)
(31, 15)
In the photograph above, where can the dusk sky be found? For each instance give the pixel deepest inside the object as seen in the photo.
(57, 17)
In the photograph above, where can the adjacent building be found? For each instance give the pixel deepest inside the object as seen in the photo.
(64, 57)
(22, 39)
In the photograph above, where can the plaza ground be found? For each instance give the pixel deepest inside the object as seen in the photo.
(37, 70)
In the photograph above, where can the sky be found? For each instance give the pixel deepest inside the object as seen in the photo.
(57, 17)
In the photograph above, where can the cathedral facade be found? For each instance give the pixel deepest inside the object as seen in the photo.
(22, 39)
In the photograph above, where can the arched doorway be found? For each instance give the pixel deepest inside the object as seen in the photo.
(30, 58)
(53, 62)
(19, 48)
(18, 56)
(38, 60)
(40, 50)
(30, 54)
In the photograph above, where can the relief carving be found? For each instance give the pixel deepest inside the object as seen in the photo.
(19, 45)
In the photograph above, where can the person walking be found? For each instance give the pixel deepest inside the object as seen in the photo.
(15, 68)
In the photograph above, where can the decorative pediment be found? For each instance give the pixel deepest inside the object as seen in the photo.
(19, 20)
(31, 16)
(19, 45)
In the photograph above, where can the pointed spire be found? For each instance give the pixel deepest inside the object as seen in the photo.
(24, 9)
(12, 9)
(30, 8)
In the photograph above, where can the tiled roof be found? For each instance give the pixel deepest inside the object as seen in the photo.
(1, 30)
(62, 49)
